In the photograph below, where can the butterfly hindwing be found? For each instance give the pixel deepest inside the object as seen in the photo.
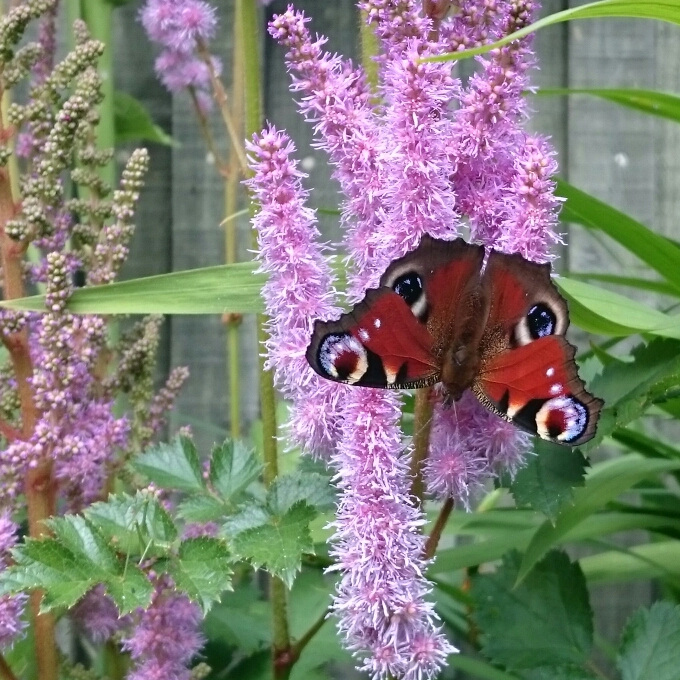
(380, 343)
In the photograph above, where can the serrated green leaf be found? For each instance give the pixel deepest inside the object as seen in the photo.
(650, 645)
(233, 468)
(547, 481)
(130, 590)
(603, 484)
(174, 465)
(547, 620)
(250, 516)
(202, 570)
(662, 104)
(630, 388)
(201, 509)
(210, 290)
(132, 121)
(664, 10)
(310, 487)
(279, 544)
(135, 524)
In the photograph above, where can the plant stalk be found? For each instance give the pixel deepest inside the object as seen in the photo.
(421, 439)
(436, 533)
(6, 673)
(248, 10)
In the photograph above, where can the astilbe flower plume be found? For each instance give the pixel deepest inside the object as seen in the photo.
(12, 623)
(430, 154)
(181, 28)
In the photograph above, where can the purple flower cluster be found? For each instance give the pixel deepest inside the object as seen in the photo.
(432, 153)
(12, 623)
(166, 636)
(181, 27)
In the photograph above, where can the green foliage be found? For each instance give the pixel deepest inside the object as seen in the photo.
(545, 622)
(650, 647)
(547, 481)
(131, 119)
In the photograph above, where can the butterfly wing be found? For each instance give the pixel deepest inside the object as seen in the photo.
(528, 374)
(395, 336)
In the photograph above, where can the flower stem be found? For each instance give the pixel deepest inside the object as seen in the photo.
(436, 533)
(39, 483)
(297, 648)
(207, 135)
(369, 50)
(248, 10)
(421, 439)
(6, 673)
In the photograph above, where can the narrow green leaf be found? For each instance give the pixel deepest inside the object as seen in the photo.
(547, 620)
(174, 465)
(233, 468)
(606, 310)
(211, 290)
(547, 481)
(652, 448)
(644, 562)
(136, 524)
(132, 121)
(650, 645)
(663, 10)
(663, 104)
(279, 544)
(477, 668)
(558, 673)
(603, 484)
(653, 249)
(660, 287)
(202, 570)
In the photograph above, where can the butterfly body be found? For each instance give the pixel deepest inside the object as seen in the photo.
(439, 316)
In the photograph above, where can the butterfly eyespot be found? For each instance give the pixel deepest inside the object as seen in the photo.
(539, 322)
(409, 287)
(562, 418)
(342, 357)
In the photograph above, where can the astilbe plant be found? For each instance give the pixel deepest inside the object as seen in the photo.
(423, 154)
(63, 441)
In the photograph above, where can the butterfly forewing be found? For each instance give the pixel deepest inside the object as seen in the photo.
(380, 343)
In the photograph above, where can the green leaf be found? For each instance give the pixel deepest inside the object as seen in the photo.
(310, 487)
(650, 247)
(630, 388)
(660, 287)
(201, 509)
(601, 311)
(174, 465)
(233, 468)
(132, 122)
(664, 10)
(547, 620)
(652, 448)
(202, 570)
(604, 483)
(650, 645)
(210, 290)
(644, 562)
(67, 566)
(136, 524)
(279, 544)
(546, 482)
(557, 673)
(662, 104)
(477, 668)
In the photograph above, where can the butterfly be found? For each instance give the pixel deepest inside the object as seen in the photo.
(438, 315)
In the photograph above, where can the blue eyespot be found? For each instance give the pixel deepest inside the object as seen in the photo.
(541, 321)
(409, 286)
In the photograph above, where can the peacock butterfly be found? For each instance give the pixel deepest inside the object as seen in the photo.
(440, 316)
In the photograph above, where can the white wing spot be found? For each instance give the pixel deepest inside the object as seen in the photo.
(377, 323)
(550, 372)
(556, 389)
(363, 334)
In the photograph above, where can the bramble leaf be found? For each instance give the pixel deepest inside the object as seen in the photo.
(233, 468)
(547, 482)
(545, 621)
(650, 645)
(174, 465)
